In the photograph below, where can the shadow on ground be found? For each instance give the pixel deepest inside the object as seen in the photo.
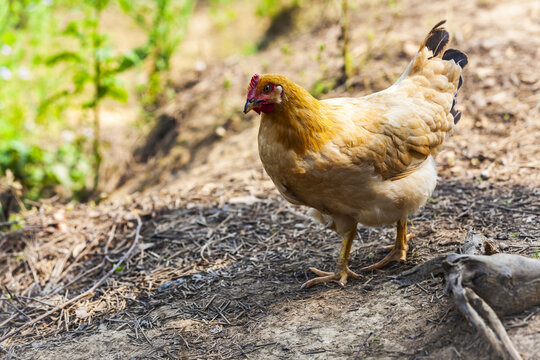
(223, 282)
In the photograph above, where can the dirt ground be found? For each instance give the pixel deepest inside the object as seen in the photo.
(217, 268)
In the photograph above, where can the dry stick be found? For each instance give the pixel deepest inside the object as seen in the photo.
(8, 320)
(86, 293)
(58, 289)
(361, 346)
(79, 256)
(494, 332)
(523, 211)
(16, 309)
(494, 323)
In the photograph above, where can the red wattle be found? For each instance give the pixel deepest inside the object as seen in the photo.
(267, 108)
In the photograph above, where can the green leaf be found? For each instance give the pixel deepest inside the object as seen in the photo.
(126, 6)
(65, 56)
(131, 58)
(8, 38)
(99, 5)
(80, 78)
(48, 101)
(116, 92)
(72, 29)
(103, 54)
(61, 172)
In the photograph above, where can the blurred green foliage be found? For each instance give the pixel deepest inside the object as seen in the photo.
(269, 8)
(58, 63)
(166, 22)
(25, 36)
(56, 66)
(41, 171)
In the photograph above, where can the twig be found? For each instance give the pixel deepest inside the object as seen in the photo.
(523, 211)
(361, 346)
(7, 301)
(209, 302)
(494, 329)
(58, 289)
(79, 256)
(137, 324)
(473, 308)
(8, 320)
(87, 292)
(11, 234)
(36, 300)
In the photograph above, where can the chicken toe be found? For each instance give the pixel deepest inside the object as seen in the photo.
(342, 268)
(390, 247)
(394, 255)
(398, 251)
(339, 277)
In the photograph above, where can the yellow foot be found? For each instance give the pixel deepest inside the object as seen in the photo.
(339, 277)
(390, 247)
(394, 255)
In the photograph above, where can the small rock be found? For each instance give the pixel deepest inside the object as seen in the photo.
(216, 330)
(200, 65)
(479, 99)
(529, 78)
(165, 285)
(220, 131)
(245, 200)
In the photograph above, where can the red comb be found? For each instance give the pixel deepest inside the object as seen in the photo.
(253, 86)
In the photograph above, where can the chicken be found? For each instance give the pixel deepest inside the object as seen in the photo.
(367, 160)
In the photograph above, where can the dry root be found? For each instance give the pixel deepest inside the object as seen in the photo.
(485, 286)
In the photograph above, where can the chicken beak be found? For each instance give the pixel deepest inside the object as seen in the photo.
(250, 104)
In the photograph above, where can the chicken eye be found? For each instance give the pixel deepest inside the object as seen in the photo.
(266, 88)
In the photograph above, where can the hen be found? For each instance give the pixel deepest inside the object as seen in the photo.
(365, 160)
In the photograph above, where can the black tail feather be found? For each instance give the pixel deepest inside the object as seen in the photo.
(437, 39)
(459, 58)
(436, 42)
(462, 60)
(456, 55)
(457, 116)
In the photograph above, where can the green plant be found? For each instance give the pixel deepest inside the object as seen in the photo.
(26, 35)
(321, 87)
(167, 21)
(94, 68)
(347, 57)
(221, 12)
(271, 8)
(41, 171)
(57, 66)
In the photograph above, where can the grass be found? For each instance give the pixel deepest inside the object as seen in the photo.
(321, 87)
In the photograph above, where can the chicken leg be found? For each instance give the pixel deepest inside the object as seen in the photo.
(342, 267)
(398, 251)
